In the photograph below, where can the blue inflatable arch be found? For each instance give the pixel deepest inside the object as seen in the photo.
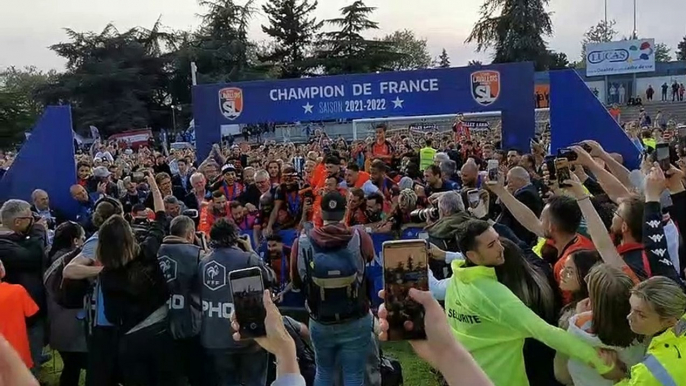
(508, 88)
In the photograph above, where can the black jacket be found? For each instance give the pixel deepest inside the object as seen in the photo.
(132, 292)
(177, 181)
(57, 217)
(529, 196)
(25, 262)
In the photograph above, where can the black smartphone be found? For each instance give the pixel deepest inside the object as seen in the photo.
(473, 198)
(563, 171)
(662, 156)
(567, 153)
(550, 166)
(203, 239)
(404, 267)
(247, 289)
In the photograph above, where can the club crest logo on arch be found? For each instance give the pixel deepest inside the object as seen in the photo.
(231, 102)
(485, 86)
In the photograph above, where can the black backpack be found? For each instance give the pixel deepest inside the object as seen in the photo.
(65, 292)
(391, 371)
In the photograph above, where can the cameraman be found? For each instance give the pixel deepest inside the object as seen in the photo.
(231, 362)
(22, 251)
(451, 213)
(179, 258)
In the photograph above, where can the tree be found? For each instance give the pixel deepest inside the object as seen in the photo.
(602, 32)
(514, 29)
(346, 51)
(662, 53)
(412, 51)
(293, 31)
(114, 81)
(444, 59)
(15, 118)
(681, 50)
(557, 61)
(474, 63)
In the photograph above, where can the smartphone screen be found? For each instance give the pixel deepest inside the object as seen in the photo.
(247, 289)
(473, 197)
(562, 170)
(404, 267)
(493, 170)
(550, 166)
(663, 157)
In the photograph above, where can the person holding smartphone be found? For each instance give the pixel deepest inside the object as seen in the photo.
(230, 362)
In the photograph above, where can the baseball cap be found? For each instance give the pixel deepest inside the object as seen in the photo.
(228, 168)
(333, 207)
(101, 172)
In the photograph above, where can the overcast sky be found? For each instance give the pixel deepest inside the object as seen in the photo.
(28, 27)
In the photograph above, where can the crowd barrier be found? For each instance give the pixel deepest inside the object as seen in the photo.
(373, 271)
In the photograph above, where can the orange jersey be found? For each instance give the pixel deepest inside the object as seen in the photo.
(15, 306)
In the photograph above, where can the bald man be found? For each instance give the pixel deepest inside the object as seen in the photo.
(41, 205)
(519, 183)
(86, 206)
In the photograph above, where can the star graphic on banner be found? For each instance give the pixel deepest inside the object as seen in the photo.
(397, 103)
(308, 108)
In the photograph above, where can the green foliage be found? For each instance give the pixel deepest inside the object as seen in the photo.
(604, 31)
(346, 51)
(412, 51)
(681, 50)
(514, 29)
(444, 59)
(293, 31)
(662, 53)
(557, 61)
(19, 108)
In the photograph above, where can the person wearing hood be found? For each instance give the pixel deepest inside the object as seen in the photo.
(340, 321)
(451, 213)
(179, 257)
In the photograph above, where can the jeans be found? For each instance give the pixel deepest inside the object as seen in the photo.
(346, 344)
(36, 342)
(232, 368)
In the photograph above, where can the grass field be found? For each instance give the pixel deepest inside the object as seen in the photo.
(415, 371)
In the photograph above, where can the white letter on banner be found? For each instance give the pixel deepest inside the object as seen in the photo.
(271, 95)
(357, 89)
(367, 89)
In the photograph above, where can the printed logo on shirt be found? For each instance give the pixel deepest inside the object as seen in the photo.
(656, 238)
(653, 223)
(168, 267)
(660, 252)
(214, 276)
(464, 318)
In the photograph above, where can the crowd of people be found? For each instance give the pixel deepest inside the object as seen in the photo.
(536, 276)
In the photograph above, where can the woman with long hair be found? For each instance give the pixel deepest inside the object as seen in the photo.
(605, 325)
(573, 280)
(67, 334)
(135, 296)
(491, 321)
(657, 313)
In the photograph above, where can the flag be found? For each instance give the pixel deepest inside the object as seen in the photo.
(95, 133)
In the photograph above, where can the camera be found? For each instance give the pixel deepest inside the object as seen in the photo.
(424, 215)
